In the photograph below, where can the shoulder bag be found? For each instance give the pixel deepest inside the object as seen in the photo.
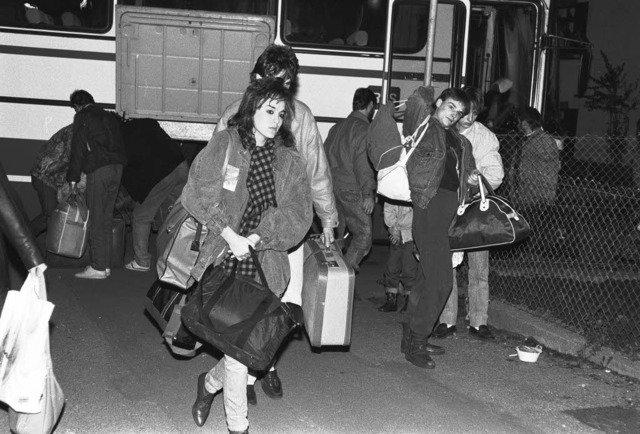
(393, 181)
(239, 316)
(179, 241)
(485, 222)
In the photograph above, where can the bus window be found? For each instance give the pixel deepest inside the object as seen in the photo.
(92, 16)
(335, 24)
(256, 7)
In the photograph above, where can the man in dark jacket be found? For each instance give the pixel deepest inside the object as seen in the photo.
(97, 149)
(156, 172)
(438, 172)
(353, 177)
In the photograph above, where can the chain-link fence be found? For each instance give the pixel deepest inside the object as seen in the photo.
(581, 266)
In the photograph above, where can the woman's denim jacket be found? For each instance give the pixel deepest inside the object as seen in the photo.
(425, 167)
(217, 197)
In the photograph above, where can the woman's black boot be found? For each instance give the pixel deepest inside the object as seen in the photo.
(202, 406)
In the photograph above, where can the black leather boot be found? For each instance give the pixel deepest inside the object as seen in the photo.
(391, 304)
(271, 385)
(417, 352)
(202, 406)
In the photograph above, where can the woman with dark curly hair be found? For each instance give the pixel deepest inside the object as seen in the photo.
(248, 186)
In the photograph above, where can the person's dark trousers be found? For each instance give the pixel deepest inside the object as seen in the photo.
(434, 279)
(48, 198)
(102, 190)
(352, 217)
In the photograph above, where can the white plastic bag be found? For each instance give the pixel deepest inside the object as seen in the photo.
(24, 344)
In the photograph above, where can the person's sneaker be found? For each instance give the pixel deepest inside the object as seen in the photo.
(91, 273)
(134, 266)
(482, 332)
(443, 331)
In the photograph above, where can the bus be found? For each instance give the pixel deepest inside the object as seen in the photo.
(183, 61)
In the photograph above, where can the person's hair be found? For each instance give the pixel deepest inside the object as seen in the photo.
(532, 116)
(475, 98)
(362, 97)
(275, 59)
(259, 92)
(455, 94)
(80, 98)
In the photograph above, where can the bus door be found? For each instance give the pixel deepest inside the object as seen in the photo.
(505, 58)
(407, 46)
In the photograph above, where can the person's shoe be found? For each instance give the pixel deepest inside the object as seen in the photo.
(417, 353)
(202, 406)
(252, 399)
(91, 273)
(404, 344)
(134, 266)
(391, 304)
(296, 313)
(482, 332)
(246, 431)
(444, 331)
(271, 385)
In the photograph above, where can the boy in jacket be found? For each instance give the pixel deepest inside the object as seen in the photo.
(438, 172)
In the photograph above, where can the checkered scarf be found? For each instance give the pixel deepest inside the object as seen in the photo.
(262, 195)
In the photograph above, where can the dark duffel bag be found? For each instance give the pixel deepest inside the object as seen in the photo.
(485, 222)
(164, 303)
(239, 316)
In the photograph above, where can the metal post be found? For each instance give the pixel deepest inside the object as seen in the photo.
(431, 38)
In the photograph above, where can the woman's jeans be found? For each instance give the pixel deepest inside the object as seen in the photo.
(232, 376)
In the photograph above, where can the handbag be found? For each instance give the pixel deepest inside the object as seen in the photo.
(68, 226)
(179, 242)
(239, 316)
(487, 221)
(393, 181)
(164, 304)
(28, 383)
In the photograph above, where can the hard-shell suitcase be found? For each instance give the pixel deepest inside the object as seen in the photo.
(327, 294)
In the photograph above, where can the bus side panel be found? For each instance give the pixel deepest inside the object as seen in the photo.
(176, 65)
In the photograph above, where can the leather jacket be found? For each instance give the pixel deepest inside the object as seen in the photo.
(216, 196)
(425, 167)
(309, 145)
(15, 228)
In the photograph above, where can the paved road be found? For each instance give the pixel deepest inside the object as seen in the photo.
(119, 377)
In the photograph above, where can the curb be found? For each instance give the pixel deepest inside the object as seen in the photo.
(506, 317)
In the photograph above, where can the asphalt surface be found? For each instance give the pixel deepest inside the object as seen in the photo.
(118, 376)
